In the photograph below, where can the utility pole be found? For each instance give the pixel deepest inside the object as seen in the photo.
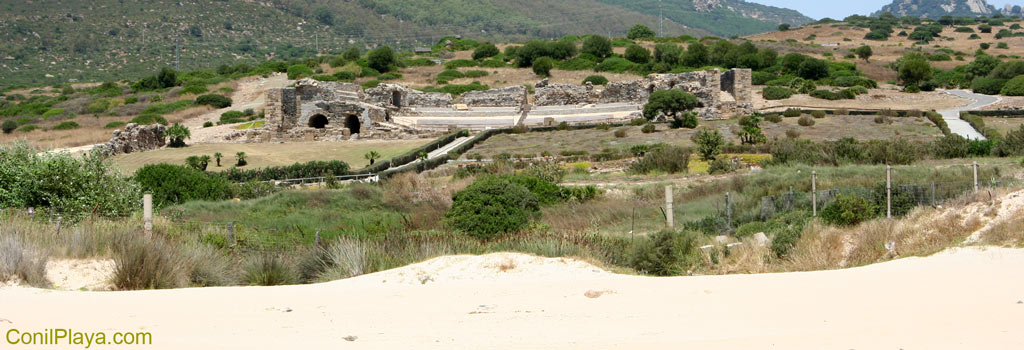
(177, 54)
(661, 22)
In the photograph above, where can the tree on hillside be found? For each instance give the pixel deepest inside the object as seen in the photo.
(668, 53)
(696, 55)
(813, 69)
(598, 46)
(784, 27)
(382, 59)
(637, 54)
(542, 66)
(351, 54)
(485, 50)
(914, 69)
(864, 52)
(640, 31)
(671, 103)
(324, 15)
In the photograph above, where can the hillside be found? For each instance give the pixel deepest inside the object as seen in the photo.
(52, 42)
(938, 8)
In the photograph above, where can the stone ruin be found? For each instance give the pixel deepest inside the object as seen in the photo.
(316, 110)
(720, 94)
(135, 138)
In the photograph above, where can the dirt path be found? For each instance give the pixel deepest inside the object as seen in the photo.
(251, 94)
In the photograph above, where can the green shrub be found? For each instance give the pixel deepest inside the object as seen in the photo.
(148, 264)
(913, 89)
(193, 89)
(721, 166)
(621, 132)
(672, 103)
(316, 168)
(776, 93)
(112, 125)
(827, 95)
(370, 84)
(381, 59)
(492, 206)
(614, 65)
(542, 66)
(344, 76)
(649, 128)
(596, 80)
(792, 112)
(9, 126)
(298, 71)
(269, 270)
(485, 50)
(475, 74)
(774, 118)
(1013, 87)
(175, 184)
(29, 128)
(454, 64)
(176, 135)
(666, 159)
(988, 86)
(546, 191)
(147, 119)
(68, 125)
(577, 63)
(709, 143)
(664, 253)
(806, 121)
(214, 100)
(847, 210)
(818, 114)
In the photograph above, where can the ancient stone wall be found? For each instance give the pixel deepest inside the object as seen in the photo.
(565, 94)
(738, 82)
(135, 138)
(281, 110)
(512, 96)
(389, 94)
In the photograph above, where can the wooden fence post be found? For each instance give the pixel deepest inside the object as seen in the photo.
(975, 165)
(814, 191)
(231, 233)
(888, 191)
(668, 207)
(147, 214)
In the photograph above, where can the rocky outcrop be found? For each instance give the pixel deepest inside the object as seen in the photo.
(512, 96)
(135, 138)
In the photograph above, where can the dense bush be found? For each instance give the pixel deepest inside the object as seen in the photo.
(649, 128)
(69, 186)
(818, 114)
(596, 79)
(988, 86)
(214, 100)
(492, 206)
(175, 184)
(792, 112)
(316, 168)
(68, 125)
(1014, 87)
(381, 59)
(776, 93)
(847, 210)
(298, 71)
(637, 54)
(813, 69)
(806, 121)
(665, 253)
(597, 45)
(666, 159)
(670, 102)
(542, 66)
(485, 50)
(147, 119)
(709, 143)
(547, 192)
(9, 126)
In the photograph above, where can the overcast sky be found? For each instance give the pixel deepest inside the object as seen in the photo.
(818, 9)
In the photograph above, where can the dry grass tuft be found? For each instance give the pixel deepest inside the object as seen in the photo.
(20, 260)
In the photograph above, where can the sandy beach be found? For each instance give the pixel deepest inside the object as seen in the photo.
(970, 298)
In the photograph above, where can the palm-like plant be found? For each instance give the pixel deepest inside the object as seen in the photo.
(177, 135)
(204, 161)
(218, 156)
(372, 156)
(241, 159)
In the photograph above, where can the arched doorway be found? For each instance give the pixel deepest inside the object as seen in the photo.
(352, 123)
(318, 121)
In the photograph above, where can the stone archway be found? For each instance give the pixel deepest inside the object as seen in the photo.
(352, 123)
(318, 121)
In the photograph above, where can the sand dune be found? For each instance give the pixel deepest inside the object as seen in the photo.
(971, 298)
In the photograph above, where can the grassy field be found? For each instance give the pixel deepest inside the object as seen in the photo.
(595, 140)
(1003, 125)
(269, 154)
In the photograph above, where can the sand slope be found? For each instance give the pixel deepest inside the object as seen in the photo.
(969, 298)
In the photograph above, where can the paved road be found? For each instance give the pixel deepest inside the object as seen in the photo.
(952, 116)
